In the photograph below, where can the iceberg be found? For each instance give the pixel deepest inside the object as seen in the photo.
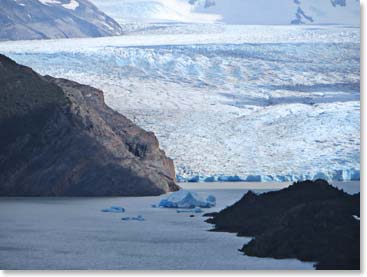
(185, 199)
(114, 209)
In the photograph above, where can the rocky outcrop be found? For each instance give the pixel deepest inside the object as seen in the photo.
(310, 221)
(45, 19)
(58, 137)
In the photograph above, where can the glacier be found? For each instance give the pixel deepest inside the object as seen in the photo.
(235, 103)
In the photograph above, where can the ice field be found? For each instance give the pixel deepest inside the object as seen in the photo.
(255, 103)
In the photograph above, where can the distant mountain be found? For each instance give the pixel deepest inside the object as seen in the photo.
(153, 11)
(234, 11)
(59, 138)
(284, 11)
(47, 19)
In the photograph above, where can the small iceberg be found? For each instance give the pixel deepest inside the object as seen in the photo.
(185, 199)
(137, 218)
(114, 209)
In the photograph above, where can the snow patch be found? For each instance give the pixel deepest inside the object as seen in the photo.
(356, 217)
(72, 5)
(155, 11)
(48, 2)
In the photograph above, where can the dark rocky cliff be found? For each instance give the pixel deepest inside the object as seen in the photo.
(310, 221)
(58, 137)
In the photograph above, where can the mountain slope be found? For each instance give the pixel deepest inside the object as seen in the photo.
(235, 11)
(58, 137)
(286, 11)
(152, 11)
(46, 19)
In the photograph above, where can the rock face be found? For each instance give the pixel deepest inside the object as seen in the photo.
(45, 19)
(310, 221)
(58, 137)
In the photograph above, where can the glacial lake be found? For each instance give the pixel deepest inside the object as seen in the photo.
(73, 233)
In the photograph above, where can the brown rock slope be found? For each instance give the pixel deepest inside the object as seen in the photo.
(35, 19)
(58, 138)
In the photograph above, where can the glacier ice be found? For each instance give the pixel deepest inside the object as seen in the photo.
(114, 209)
(185, 199)
(248, 103)
(133, 218)
(333, 175)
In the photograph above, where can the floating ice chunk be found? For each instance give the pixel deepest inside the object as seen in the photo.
(114, 209)
(185, 199)
(137, 218)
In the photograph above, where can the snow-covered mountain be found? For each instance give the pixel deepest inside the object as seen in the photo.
(153, 11)
(286, 11)
(42, 19)
(234, 11)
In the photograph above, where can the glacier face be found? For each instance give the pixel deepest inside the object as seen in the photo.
(252, 103)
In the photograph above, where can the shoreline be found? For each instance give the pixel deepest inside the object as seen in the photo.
(348, 186)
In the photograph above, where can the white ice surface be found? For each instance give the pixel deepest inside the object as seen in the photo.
(72, 233)
(154, 11)
(245, 101)
(72, 5)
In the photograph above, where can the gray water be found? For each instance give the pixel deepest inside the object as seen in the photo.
(72, 233)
